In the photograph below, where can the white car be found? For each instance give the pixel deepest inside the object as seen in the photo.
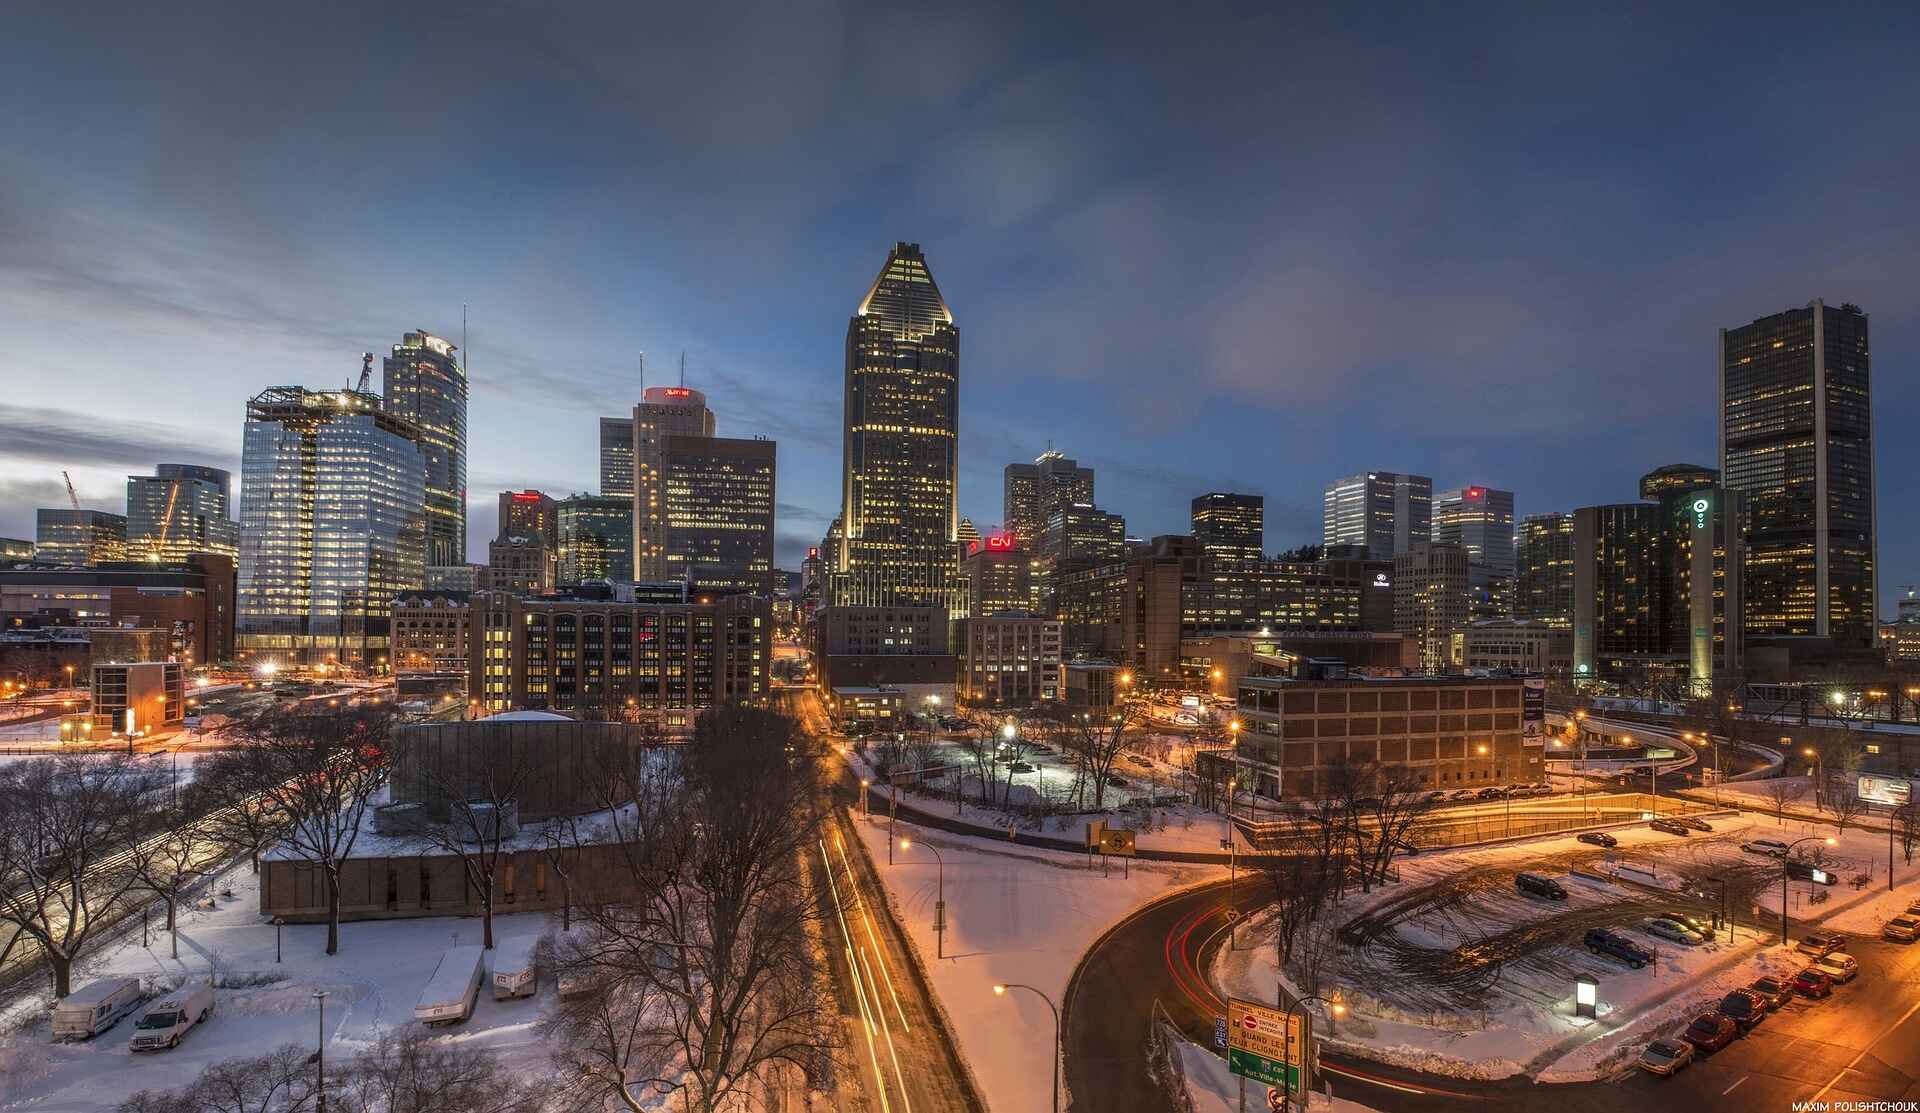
(1674, 930)
(1840, 966)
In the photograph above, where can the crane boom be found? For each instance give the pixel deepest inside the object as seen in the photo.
(71, 496)
(366, 371)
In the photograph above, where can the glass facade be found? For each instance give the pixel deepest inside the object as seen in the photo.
(1231, 528)
(596, 539)
(1796, 440)
(82, 538)
(1033, 492)
(664, 411)
(179, 510)
(719, 494)
(1544, 570)
(426, 384)
(616, 457)
(1385, 511)
(332, 523)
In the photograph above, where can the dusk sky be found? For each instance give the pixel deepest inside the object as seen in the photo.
(1219, 248)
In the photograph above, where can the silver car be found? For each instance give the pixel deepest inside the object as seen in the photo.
(1666, 1056)
(1674, 930)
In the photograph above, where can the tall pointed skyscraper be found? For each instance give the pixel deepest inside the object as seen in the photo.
(901, 461)
(425, 383)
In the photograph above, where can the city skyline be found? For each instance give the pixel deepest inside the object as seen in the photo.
(172, 291)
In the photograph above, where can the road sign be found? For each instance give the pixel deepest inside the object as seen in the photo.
(1095, 829)
(1118, 843)
(1276, 1100)
(1220, 1032)
(1267, 1045)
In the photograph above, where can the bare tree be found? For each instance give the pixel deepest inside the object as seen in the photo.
(1783, 791)
(707, 963)
(1096, 740)
(603, 1038)
(983, 753)
(280, 1081)
(1906, 820)
(237, 816)
(1303, 879)
(561, 841)
(319, 767)
(409, 1071)
(1846, 804)
(482, 799)
(1398, 803)
(68, 851)
(170, 861)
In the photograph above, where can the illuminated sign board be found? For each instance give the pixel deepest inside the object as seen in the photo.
(813, 553)
(1000, 542)
(1380, 580)
(1701, 507)
(1894, 792)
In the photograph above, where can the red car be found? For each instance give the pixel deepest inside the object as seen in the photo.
(1710, 1032)
(1812, 983)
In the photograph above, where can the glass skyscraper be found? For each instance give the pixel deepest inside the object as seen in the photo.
(719, 494)
(1231, 528)
(179, 510)
(596, 538)
(333, 522)
(663, 412)
(81, 538)
(1387, 512)
(616, 457)
(1796, 440)
(900, 458)
(426, 384)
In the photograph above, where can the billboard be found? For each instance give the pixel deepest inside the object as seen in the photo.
(1533, 711)
(1894, 792)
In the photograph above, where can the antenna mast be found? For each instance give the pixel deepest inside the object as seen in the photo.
(683, 369)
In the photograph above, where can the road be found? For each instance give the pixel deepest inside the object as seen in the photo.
(896, 1037)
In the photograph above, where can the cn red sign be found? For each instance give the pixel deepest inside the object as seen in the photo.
(1000, 541)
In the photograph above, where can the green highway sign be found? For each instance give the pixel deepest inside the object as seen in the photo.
(1262, 1069)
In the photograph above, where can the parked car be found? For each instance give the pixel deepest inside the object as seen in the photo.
(1597, 838)
(172, 1017)
(94, 1008)
(1023, 767)
(1666, 1056)
(1539, 886)
(1692, 823)
(1822, 942)
(1807, 871)
(1673, 930)
(1669, 826)
(1904, 928)
(1812, 983)
(1710, 1032)
(1600, 941)
(1491, 793)
(1776, 991)
(1840, 966)
(1914, 908)
(1700, 925)
(1744, 1008)
(1462, 794)
(1772, 848)
(1140, 761)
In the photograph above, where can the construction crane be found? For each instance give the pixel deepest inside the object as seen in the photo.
(366, 371)
(71, 497)
(166, 523)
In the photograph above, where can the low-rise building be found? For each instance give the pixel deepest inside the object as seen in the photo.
(140, 697)
(1007, 659)
(193, 600)
(430, 631)
(1515, 645)
(1090, 683)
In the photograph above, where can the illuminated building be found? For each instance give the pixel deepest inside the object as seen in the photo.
(1543, 589)
(1796, 439)
(520, 565)
(1479, 520)
(191, 599)
(430, 631)
(1430, 599)
(80, 538)
(717, 500)
(966, 538)
(1385, 511)
(1007, 659)
(900, 458)
(179, 510)
(999, 577)
(15, 548)
(663, 412)
(616, 456)
(1231, 528)
(596, 539)
(332, 523)
(529, 514)
(423, 382)
(1034, 492)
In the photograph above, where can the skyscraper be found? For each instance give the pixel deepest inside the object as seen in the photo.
(1385, 511)
(333, 521)
(179, 510)
(1544, 570)
(1479, 520)
(1430, 599)
(616, 456)
(529, 514)
(423, 382)
(595, 534)
(663, 412)
(1035, 492)
(1618, 621)
(900, 459)
(1231, 528)
(1796, 439)
(81, 538)
(718, 497)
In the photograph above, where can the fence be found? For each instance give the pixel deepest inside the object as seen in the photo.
(1438, 830)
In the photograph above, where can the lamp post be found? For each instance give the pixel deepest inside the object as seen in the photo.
(940, 901)
(1334, 1010)
(320, 1063)
(1001, 991)
(278, 923)
(865, 784)
(1784, 859)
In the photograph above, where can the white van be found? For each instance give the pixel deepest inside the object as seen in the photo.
(513, 968)
(171, 1017)
(94, 1008)
(450, 993)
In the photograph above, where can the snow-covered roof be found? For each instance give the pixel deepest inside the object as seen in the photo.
(527, 717)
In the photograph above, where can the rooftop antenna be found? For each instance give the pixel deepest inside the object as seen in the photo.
(643, 373)
(464, 361)
(683, 369)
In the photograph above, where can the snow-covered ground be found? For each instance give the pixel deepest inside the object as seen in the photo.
(1525, 1020)
(371, 985)
(1214, 1089)
(1014, 915)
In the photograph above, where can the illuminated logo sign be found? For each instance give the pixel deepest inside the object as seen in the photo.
(1474, 492)
(1000, 542)
(526, 496)
(813, 553)
(1380, 580)
(678, 392)
(1700, 508)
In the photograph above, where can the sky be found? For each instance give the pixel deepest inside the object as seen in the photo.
(1198, 248)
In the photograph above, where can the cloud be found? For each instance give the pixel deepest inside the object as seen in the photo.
(74, 439)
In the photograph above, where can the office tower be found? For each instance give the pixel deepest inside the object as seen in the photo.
(616, 457)
(1796, 439)
(999, 577)
(1479, 520)
(179, 510)
(664, 411)
(966, 538)
(1430, 599)
(1231, 528)
(900, 459)
(529, 514)
(333, 523)
(1033, 492)
(1075, 537)
(1699, 577)
(1544, 570)
(81, 538)
(718, 496)
(423, 382)
(520, 564)
(595, 534)
(1617, 615)
(1385, 511)
(15, 548)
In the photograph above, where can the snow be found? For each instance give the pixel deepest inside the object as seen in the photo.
(1014, 915)
(371, 985)
(1216, 1090)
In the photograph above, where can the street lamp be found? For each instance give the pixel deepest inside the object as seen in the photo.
(1784, 859)
(1000, 990)
(320, 1063)
(1335, 1010)
(278, 923)
(864, 785)
(940, 901)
